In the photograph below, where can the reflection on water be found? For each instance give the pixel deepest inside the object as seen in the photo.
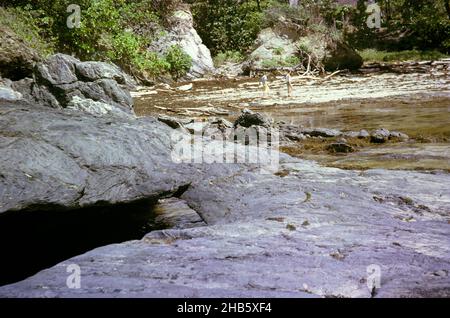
(428, 117)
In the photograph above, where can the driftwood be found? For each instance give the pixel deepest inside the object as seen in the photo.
(313, 68)
(403, 67)
(331, 75)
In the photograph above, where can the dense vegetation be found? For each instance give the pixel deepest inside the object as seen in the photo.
(114, 30)
(229, 27)
(405, 25)
(121, 30)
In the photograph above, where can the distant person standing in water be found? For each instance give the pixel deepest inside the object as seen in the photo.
(288, 79)
(265, 84)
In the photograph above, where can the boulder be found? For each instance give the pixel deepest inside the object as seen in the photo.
(92, 71)
(58, 69)
(398, 135)
(59, 79)
(181, 32)
(380, 136)
(249, 118)
(351, 134)
(67, 159)
(270, 45)
(363, 134)
(341, 56)
(221, 123)
(17, 59)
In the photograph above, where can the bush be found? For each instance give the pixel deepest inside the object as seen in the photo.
(30, 26)
(372, 55)
(179, 62)
(280, 62)
(113, 30)
(228, 56)
(228, 25)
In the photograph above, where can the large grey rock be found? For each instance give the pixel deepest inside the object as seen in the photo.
(92, 71)
(181, 32)
(58, 69)
(61, 78)
(70, 160)
(316, 232)
(271, 45)
(35, 93)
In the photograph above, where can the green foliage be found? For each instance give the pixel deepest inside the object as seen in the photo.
(407, 24)
(278, 50)
(113, 30)
(228, 25)
(280, 62)
(30, 26)
(431, 26)
(121, 30)
(179, 61)
(372, 55)
(228, 56)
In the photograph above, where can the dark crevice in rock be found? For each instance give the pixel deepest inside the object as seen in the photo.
(181, 190)
(43, 236)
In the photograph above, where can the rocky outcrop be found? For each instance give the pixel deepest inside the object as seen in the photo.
(17, 59)
(271, 45)
(69, 160)
(63, 81)
(181, 32)
(286, 42)
(303, 231)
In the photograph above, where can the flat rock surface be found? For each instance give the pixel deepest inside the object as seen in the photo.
(315, 232)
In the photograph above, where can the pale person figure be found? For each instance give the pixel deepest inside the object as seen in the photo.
(264, 82)
(290, 88)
